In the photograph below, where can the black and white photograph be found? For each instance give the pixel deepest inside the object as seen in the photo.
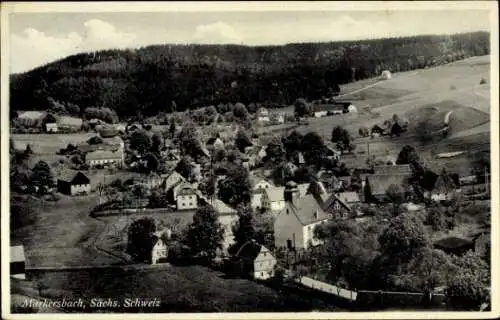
(305, 159)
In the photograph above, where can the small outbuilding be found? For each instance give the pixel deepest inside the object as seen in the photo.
(73, 182)
(386, 75)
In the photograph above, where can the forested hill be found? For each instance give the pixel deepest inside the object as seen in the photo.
(147, 80)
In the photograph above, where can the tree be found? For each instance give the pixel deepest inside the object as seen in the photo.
(158, 199)
(94, 140)
(140, 141)
(364, 132)
(293, 142)
(395, 194)
(185, 168)
(314, 149)
(188, 138)
(235, 189)
(302, 108)
(281, 174)
(468, 285)
(156, 143)
(141, 239)
(244, 229)
(240, 111)
(208, 185)
(152, 162)
(41, 177)
(408, 155)
(436, 218)
(424, 131)
(275, 151)
(172, 129)
(242, 141)
(403, 237)
(205, 234)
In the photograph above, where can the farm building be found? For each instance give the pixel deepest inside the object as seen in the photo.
(255, 261)
(445, 187)
(277, 118)
(69, 124)
(386, 75)
(273, 199)
(377, 131)
(323, 110)
(336, 207)
(376, 185)
(350, 198)
(159, 252)
(17, 261)
(332, 153)
(51, 127)
(294, 225)
(104, 157)
(403, 169)
(30, 118)
(185, 196)
(73, 183)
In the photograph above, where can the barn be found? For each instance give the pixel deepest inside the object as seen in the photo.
(73, 182)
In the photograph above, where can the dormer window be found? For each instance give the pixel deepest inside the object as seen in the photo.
(287, 211)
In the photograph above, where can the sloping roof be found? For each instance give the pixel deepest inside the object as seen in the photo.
(221, 207)
(303, 187)
(444, 183)
(349, 197)
(17, 254)
(332, 198)
(32, 115)
(70, 121)
(390, 169)
(103, 154)
(69, 175)
(307, 209)
(452, 243)
(275, 194)
(250, 250)
(380, 182)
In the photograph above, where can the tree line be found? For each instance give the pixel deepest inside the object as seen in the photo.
(171, 78)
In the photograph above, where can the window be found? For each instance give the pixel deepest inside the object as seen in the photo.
(190, 204)
(183, 204)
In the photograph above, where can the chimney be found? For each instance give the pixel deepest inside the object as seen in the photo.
(291, 192)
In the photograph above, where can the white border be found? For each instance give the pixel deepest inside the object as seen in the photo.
(39, 7)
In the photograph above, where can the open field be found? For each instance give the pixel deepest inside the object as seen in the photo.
(49, 143)
(62, 234)
(180, 289)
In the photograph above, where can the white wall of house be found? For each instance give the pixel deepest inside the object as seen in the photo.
(79, 188)
(267, 204)
(308, 232)
(159, 251)
(264, 265)
(256, 201)
(287, 228)
(186, 202)
(319, 114)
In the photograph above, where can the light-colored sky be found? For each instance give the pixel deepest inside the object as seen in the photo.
(39, 38)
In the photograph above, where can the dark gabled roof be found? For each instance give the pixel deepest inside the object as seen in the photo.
(379, 183)
(377, 128)
(428, 180)
(452, 243)
(71, 175)
(250, 250)
(331, 199)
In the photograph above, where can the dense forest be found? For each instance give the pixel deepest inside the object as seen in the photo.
(167, 77)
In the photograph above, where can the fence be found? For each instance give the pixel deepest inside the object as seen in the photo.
(328, 288)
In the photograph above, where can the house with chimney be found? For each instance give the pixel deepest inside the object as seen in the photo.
(255, 261)
(294, 225)
(73, 182)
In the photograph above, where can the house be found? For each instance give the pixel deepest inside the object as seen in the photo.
(72, 182)
(69, 124)
(337, 207)
(317, 189)
(444, 188)
(332, 153)
(329, 181)
(259, 183)
(323, 110)
(159, 252)
(17, 261)
(51, 127)
(185, 196)
(377, 131)
(403, 169)
(454, 245)
(114, 142)
(255, 261)
(263, 115)
(277, 118)
(352, 108)
(256, 199)
(171, 159)
(273, 199)
(108, 132)
(376, 185)
(350, 198)
(294, 225)
(256, 155)
(31, 118)
(215, 144)
(104, 157)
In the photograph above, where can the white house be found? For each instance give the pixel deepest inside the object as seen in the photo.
(256, 200)
(352, 108)
(51, 127)
(260, 184)
(159, 251)
(273, 199)
(294, 225)
(104, 157)
(256, 260)
(185, 196)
